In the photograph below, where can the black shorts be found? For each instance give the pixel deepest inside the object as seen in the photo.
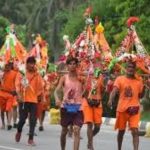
(71, 118)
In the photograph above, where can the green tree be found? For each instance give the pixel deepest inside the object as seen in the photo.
(125, 9)
(3, 24)
(53, 18)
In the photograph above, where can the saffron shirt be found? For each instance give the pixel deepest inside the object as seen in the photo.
(129, 90)
(33, 90)
(8, 81)
(7, 85)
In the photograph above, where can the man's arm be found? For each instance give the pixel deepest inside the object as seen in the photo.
(143, 87)
(18, 87)
(141, 95)
(112, 96)
(57, 90)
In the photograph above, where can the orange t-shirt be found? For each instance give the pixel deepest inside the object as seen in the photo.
(8, 81)
(129, 90)
(33, 90)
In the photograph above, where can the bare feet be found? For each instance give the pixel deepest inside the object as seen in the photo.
(3, 127)
(89, 147)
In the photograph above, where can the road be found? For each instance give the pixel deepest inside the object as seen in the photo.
(49, 139)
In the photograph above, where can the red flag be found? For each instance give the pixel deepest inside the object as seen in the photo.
(132, 20)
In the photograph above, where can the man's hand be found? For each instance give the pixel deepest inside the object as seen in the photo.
(13, 93)
(40, 98)
(109, 104)
(112, 97)
(19, 98)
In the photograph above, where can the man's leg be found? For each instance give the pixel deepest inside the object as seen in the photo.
(32, 120)
(15, 116)
(96, 129)
(23, 113)
(9, 118)
(97, 119)
(3, 119)
(63, 137)
(40, 117)
(76, 130)
(134, 132)
(90, 135)
(41, 120)
(133, 124)
(70, 130)
(120, 138)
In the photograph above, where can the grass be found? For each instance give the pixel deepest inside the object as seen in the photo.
(145, 116)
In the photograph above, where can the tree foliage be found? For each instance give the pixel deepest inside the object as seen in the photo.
(113, 14)
(3, 24)
(54, 18)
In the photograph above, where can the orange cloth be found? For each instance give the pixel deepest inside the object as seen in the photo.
(15, 103)
(92, 114)
(33, 90)
(6, 101)
(123, 118)
(44, 105)
(103, 42)
(40, 109)
(84, 65)
(129, 90)
(47, 92)
(8, 81)
(21, 52)
(140, 63)
(7, 85)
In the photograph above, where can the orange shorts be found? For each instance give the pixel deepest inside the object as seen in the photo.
(40, 109)
(46, 105)
(122, 118)
(92, 114)
(6, 105)
(2, 105)
(15, 103)
(6, 101)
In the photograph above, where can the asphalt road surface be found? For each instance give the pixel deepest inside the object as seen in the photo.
(49, 139)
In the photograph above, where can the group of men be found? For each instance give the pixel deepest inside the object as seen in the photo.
(25, 92)
(81, 102)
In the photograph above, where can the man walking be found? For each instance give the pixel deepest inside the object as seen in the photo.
(7, 94)
(130, 91)
(92, 107)
(71, 112)
(30, 93)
